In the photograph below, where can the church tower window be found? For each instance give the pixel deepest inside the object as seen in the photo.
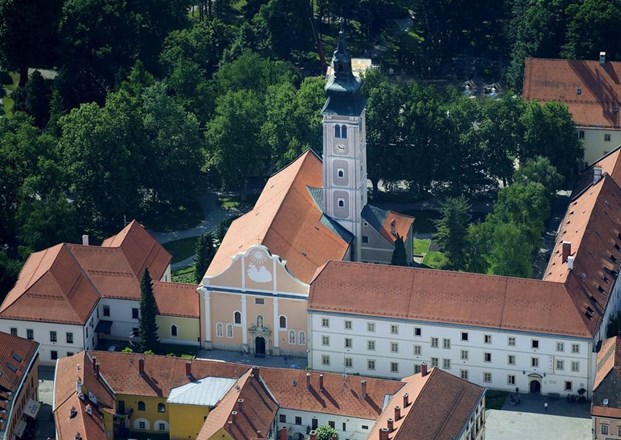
(344, 131)
(337, 131)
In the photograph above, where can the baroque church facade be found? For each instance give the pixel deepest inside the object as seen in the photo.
(254, 294)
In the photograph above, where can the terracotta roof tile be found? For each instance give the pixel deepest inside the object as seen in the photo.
(590, 90)
(397, 222)
(254, 417)
(608, 357)
(90, 427)
(176, 299)
(609, 164)
(287, 221)
(445, 296)
(15, 356)
(342, 395)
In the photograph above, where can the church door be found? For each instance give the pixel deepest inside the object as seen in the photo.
(535, 387)
(259, 346)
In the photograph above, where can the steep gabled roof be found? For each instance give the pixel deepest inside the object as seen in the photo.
(389, 224)
(607, 384)
(591, 91)
(609, 163)
(444, 296)
(287, 221)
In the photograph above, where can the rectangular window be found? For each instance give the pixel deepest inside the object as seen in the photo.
(394, 367)
(575, 348)
(134, 313)
(142, 425)
(446, 364)
(259, 301)
(606, 138)
(534, 362)
(325, 340)
(534, 343)
(349, 362)
(348, 325)
(371, 327)
(365, 239)
(53, 355)
(13, 331)
(568, 385)
(394, 347)
(282, 418)
(434, 362)
(575, 366)
(487, 377)
(619, 431)
(560, 346)
(463, 374)
(325, 322)
(464, 355)
(86, 329)
(487, 339)
(344, 426)
(349, 343)
(29, 333)
(511, 341)
(580, 134)
(370, 364)
(416, 368)
(605, 427)
(464, 336)
(298, 420)
(487, 357)
(162, 426)
(106, 310)
(69, 338)
(446, 343)
(434, 342)
(510, 379)
(511, 359)
(325, 359)
(394, 329)
(418, 331)
(370, 345)
(365, 427)
(417, 350)
(560, 365)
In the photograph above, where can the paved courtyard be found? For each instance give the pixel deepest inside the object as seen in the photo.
(268, 361)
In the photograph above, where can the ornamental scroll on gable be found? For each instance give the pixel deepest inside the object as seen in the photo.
(257, 270)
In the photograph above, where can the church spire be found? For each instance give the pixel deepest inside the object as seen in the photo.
(342, 80)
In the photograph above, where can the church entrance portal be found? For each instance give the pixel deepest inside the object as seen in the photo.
(259, 344)
(535, 386)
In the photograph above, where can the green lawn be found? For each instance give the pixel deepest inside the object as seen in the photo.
(185, 275)
(433, 259)
(494, 399)
(181, 249)
(235, 202)
(421, 246)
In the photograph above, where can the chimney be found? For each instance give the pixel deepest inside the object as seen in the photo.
(406, 400)
(255, 372)
(423, 369)
(94, 361)
(312, 435)
(602, 58)
(570, 263)
(391, 425)
(397, 413)
(233, 416)
(308, 384)
(566, 250)
(141, 365)
(259, 434)
(384, 434)
(240, 405)
(597, 174)
(188, 369)
(283, 433)
(85, 240)
(363, 385)
(321, 382)
(96, 370)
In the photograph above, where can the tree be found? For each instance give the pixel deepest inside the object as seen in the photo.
(399, 254)
(451, 230)
(540, 170)
(205, 251)
(34, 99)
(593, 27)
(512, 252)
(326, 432)
(148, 312)
(9, 271)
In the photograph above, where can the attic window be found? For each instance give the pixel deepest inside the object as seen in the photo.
(613, 258)
(17, 357)
(578, 91)
(588, 315)
(600, 289)
(12, 367)
(590, 310)
(617, 247)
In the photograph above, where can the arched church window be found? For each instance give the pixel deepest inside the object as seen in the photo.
(259, 321)
(282, 322)
(237, 317)
(344, 131)
(173, 330)
(337, 131)
(219, 329)
(291, 336)
(229, 330)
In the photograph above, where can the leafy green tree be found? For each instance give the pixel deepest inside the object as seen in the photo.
(613, 327)
(235, 148)
(34, 99)
(148, 312)
(540, 170)
(28, 34)
(9, 271)
(205, 251)
(593, 27)
(57, 110)
(326, 432)
(451, 230)
(512, 252)
(479, 242)
(399, 254)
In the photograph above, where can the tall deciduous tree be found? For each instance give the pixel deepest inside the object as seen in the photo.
(593, 27)
(540, 170)
(9, 270)
(512, 252)
(451, 230)
(205, 251)
(148, 312)
(34, 99)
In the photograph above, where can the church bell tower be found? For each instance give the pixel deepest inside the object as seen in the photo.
(344, 146)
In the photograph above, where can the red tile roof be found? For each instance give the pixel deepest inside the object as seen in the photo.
(176, 299)
(559, 80)
(402, 226)
(445, 296)
(608, 357)
(609, 164)
(341, 395)
(287, 221)
(440, 407)
(253, 418)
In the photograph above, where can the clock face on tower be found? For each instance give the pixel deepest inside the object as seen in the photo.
(340, 148)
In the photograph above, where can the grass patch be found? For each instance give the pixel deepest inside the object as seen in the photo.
(182, 351)
(181, 249)
(435, 260)
(185, 275)
(234, 201)
(7, 103)
(167, 217)
(421, 246)
(494, 399)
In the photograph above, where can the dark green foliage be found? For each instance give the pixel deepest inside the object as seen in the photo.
(34, 99)
(399, 254)
(540, 170)
(148, 312)
(451, 230)
(205, 251)
(593, 27)
(9, 270)
(613, 328)
(326, 432)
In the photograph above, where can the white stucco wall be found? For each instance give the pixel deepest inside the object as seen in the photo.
(355, 428)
